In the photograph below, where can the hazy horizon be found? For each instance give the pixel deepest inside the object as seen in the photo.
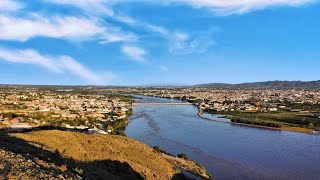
(154, 84)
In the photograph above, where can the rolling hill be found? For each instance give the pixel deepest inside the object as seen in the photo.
(51, 154)
(267, 84)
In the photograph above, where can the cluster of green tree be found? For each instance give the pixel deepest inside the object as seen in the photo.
(119, 124)
(114, 113)
(300, 120)
(210, 111)
(9, 115)
(25, 99)
(120, 133)
(183, 156)
(200, 165)
(293, 118)
(92, 120)
(129, 112)
(159, 150)
(40, 116)
(303, 106)
(256, 123)
(120, 97)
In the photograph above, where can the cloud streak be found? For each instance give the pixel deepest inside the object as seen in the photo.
(223, 7)
(59, 64)
(90, 6)
(29, 56)
(183, 44)
(69, 27)
(80, 70)
(134, 52)
(228, 7)
(10, 5)
(192, 44)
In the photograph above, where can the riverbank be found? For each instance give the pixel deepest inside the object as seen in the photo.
(200, 114)
(300, 122)
(190, 166)
(284, 126)
(242, 120)
(239, 124)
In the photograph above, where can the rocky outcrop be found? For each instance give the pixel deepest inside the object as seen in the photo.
(17, 166)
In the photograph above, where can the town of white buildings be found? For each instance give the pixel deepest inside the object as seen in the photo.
(23, 108)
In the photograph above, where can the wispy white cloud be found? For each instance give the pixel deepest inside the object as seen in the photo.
(163, 68)
(182, 43)
(69, 27)
(29, 56)
(10, 5)
(157, 29)
(90, 6)
(228, 7)
(125, 19)
(116, 34)
(57, 64)
(178, 42)
(103, 8)
(74, 67)
(80, 70)
(134, 52)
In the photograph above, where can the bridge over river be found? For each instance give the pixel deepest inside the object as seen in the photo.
(162, 104)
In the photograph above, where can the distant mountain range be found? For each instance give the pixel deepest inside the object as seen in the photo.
(252, 85)
(268, 84)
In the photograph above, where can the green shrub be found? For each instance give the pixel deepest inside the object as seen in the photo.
(200, 166)
(183, 156)
(120, 133)
(79, 171)
(159, 150)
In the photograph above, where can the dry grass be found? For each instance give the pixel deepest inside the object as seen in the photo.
(89, 148)
(187, 165)
(295, 129)
(2, 126)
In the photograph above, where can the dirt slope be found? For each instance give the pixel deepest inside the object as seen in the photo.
(98, 156)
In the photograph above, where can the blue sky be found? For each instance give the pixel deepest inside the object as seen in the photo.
(165, 42)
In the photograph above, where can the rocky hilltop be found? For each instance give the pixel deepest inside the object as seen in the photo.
(55, 154)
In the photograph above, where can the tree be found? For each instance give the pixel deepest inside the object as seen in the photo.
(183, 156)
(311, 126)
